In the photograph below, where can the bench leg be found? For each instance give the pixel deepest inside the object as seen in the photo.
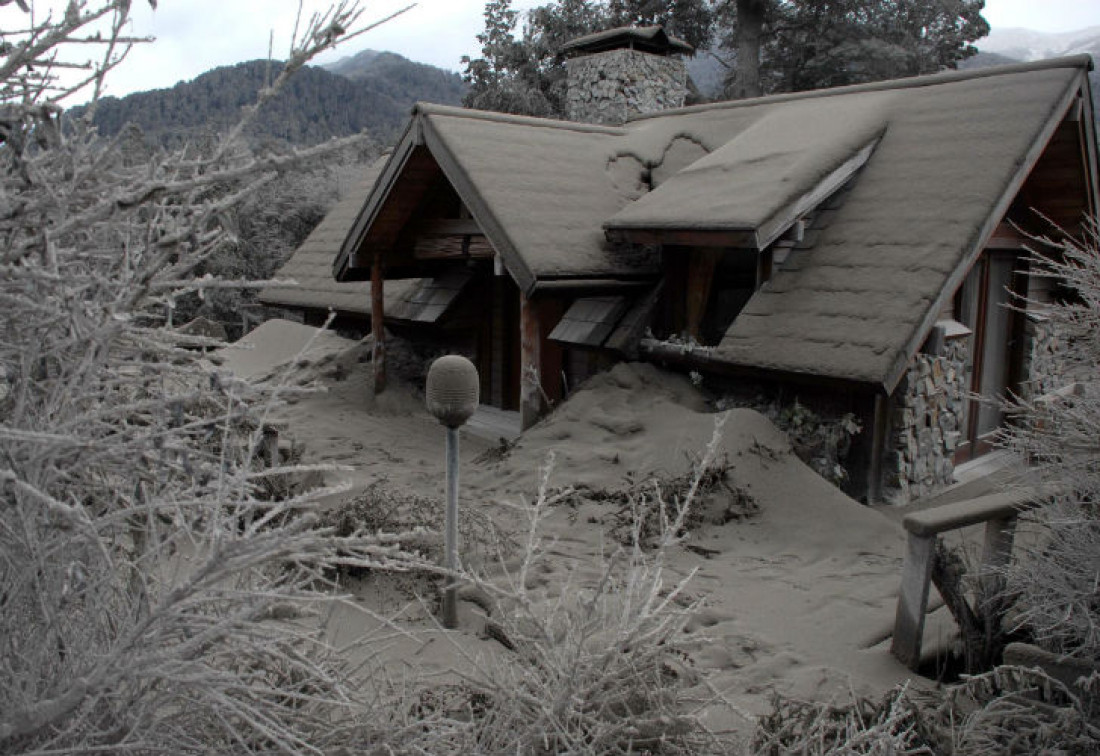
(916, 576)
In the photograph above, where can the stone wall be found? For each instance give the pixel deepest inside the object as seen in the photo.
(929, 403)
(609, 87)
(1045, 352)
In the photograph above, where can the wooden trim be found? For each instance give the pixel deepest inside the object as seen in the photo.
(383, 185)
(901, 362)
(1089, 146)
(744, 238)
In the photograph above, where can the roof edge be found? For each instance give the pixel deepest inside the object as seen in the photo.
(1081, 61)
(955, 279)
(452, 111)
(398, 155)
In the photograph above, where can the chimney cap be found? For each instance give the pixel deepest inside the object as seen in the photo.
(650, 39)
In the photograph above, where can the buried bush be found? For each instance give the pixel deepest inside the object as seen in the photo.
(593, 668)
(1008, 711)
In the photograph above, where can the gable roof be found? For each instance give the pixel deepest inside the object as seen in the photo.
(939, 159)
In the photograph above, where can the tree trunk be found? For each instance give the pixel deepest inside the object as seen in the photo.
(750, 26)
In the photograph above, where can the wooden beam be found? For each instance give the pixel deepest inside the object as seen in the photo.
(448, 227)
(530, 388)
(745, 238)
(377, 324)
(700, 276)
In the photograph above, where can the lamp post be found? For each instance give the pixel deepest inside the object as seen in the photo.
(452, 397)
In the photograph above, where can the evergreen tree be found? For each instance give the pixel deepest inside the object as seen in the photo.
(812, 44)
(527, 75)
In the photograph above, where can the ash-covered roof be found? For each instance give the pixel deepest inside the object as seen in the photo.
(946, 153)
(311, 264)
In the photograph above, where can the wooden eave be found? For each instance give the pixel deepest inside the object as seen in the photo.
(421, 139)
(353, 262)
(479, 209)
(1078, 89)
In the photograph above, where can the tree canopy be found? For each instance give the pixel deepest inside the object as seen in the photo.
(768, 45)
(813, 44)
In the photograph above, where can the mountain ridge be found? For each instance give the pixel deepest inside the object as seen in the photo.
(317, 103)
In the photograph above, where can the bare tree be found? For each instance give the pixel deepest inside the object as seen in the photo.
(1054, 582)
(151, 589)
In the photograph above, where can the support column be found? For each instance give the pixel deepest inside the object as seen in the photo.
(700, 276)
(530, 388)
(377, 324)
(916, 578)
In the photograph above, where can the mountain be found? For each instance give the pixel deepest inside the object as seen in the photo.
(1027, 45)
(317, 104)
(400, 76)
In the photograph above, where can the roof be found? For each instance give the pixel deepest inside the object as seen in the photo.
(310, 266)
(758, 177)
(648, 38)
(939, 159)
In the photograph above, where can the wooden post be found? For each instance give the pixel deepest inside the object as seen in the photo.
(377, 324)
(530, 388)
(916, 576)
(879, 435)
(699, 278)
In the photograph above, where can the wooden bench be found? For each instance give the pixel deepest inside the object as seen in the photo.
(998, 511)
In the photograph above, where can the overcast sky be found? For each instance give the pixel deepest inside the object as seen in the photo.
(194, 36)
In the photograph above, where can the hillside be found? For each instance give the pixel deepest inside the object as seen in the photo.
(375, 94)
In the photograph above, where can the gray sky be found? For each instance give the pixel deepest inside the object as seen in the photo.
(194, 36)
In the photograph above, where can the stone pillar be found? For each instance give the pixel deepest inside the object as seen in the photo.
(930, 402)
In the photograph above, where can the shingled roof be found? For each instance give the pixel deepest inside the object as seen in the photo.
(939, 159)
(310, 266)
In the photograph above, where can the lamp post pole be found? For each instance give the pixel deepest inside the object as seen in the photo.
(452, 397)
(450, 594)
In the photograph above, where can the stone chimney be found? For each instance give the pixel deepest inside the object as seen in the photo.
(619, 73)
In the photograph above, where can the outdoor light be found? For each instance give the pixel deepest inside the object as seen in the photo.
(452, 396)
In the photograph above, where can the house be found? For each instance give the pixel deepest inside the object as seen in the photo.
(858, 245)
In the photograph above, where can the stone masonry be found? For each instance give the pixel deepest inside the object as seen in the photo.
(609, 87)
(1045, 352)
(929, 404)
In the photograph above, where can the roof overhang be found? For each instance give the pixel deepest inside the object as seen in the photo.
(354, 260)
(1080, 88)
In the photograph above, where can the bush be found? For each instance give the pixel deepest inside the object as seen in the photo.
(150, 595)
(1053, 582)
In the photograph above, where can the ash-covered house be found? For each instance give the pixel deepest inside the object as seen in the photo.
(859, 244)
